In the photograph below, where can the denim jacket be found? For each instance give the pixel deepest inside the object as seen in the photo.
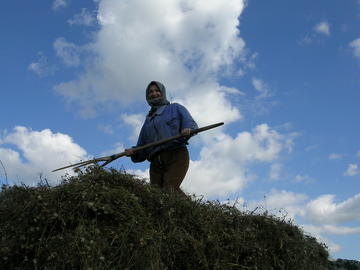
(169, 120)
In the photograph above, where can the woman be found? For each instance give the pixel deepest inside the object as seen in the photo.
(169, 162)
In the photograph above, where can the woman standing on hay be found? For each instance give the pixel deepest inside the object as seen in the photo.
(169, 162)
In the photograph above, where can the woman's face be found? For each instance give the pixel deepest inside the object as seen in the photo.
(154, 92)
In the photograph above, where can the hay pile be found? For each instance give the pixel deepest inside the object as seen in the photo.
(110, 220)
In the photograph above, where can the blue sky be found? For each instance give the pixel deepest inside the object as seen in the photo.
(282, 75)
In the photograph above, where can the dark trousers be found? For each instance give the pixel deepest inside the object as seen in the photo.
(168, 169)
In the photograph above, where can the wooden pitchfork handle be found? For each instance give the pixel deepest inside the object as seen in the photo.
(111, 158)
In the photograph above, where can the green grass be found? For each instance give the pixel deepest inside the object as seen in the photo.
(103, 219)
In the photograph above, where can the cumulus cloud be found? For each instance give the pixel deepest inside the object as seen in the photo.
(275, 171)
(235, 155)
(290, 201)
(117, 148)
(323, 28)
(301, 178)
(311, 147)
(108, 129)
(140, 174)
(210, 103)
(27, 153)
(261, 87)
(59, 4)
(305, 40)
(324, 210)
(323, 214)
(180, 43)
(67, 52)
(135, 121)
(282, 203)
(41, 66)
(334, 156)
(352, 170)
(355, 45)
(320, 29)
(262, 102)
(341, 230)
(317, 232)
(85, 17)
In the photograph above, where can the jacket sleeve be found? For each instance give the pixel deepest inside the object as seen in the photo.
(140, 156)
(186, 119)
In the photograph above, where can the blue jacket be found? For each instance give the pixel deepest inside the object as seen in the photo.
(167, 121)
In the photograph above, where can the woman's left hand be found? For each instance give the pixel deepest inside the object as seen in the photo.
(186, 132)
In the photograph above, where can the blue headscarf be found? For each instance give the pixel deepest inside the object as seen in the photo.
(156, 103)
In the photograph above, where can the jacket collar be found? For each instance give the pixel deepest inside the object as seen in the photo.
(159, 111)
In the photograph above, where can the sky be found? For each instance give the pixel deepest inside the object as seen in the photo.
(282, 75)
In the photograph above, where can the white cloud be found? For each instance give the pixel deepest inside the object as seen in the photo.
(41, 67)
(334, 156)
(180, 43)
(324, 214)
(85, 17)
(261, 103)
(311, 147)
(291, 202)
(282, 203)
(27, 153)
(235, 155)
(301, 178)
(262, 88)
(140, 174)
(352, 170)
(67, 52)
(355, 45)
(108, 129)
(316, 231)
(305, 40)
(324, 210)
(323, 28)
(341, 230)
(210, 103)
(118, 148)
(135, 121)
(275, 171)
(60, 4)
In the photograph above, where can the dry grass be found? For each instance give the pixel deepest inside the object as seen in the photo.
(110, 220)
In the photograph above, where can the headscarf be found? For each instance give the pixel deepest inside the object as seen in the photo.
(156, 103)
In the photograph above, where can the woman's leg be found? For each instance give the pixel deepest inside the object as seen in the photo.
(176, 169)
(156, 173)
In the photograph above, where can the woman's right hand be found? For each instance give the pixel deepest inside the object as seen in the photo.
(129, 152)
